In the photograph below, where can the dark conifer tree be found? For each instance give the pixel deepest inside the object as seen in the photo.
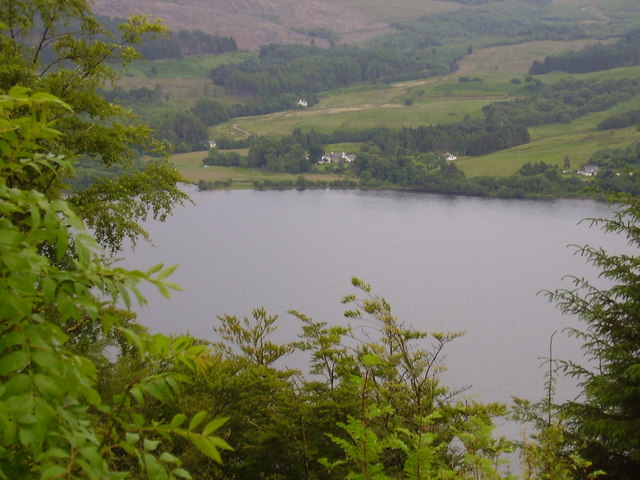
(605, 420)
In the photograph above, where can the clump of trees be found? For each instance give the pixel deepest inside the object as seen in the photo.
(563, 101)
(186, 43)
(307, 69)
(178, 44)
(502, 22)
(592, 58)
(620, 120)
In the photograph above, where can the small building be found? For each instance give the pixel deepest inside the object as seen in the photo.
(212, 144)
(302, 103)
(337, 157)
(589, 170)
(449, 157)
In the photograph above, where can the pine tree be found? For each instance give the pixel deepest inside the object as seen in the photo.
(605, 420)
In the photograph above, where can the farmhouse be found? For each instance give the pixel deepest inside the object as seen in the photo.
(449, 157)
(302, 102)
(589, 170)
(337, 157)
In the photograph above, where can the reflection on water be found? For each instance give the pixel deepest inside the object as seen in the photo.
(444, 263)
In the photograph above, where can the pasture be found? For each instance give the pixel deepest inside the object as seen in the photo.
(191, 167)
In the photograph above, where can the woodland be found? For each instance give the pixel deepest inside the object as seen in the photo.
(87, 392)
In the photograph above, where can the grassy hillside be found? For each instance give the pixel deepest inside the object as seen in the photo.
(256, 22)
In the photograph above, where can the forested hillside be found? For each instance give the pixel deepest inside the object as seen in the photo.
(302, 70)
(625, 52)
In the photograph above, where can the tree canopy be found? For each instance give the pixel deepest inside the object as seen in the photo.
(59, 47)
(58, 321)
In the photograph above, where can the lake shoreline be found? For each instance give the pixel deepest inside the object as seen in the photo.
(288, 184)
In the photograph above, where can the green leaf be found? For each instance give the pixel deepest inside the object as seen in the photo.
(47, 386)
(371, 360)
(19, 92)
(164, 291)
(182, 473)
(47, 360)
(154, 469)
(154, 390)
(93, 397)
(220, 443)
(197, 420)
(150, 445)
(168, 458)
(10, 339)
(634, 372)
(166, 272)
(53, 471)
(27, 436)
(178, 420)
(207, 447)
(13, 362)
(25, 419)
(214, 425)
(56, 453)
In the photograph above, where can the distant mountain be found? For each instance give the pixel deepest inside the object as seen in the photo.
(256, 22)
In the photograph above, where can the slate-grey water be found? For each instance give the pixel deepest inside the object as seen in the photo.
(444, 263)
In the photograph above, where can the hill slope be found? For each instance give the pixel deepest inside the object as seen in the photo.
(256, 22)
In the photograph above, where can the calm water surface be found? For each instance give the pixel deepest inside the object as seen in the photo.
(444, 263)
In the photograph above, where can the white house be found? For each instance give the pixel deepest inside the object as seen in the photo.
(449, 157)
(589, 170)
(337, 157)
(302, 102)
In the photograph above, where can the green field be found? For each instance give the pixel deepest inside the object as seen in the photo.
(439, 100)
(551, 150)
(191, 167)
(578, 139)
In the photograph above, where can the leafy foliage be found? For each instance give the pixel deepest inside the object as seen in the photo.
(55, 287)
(370, 405)
(59, 47)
